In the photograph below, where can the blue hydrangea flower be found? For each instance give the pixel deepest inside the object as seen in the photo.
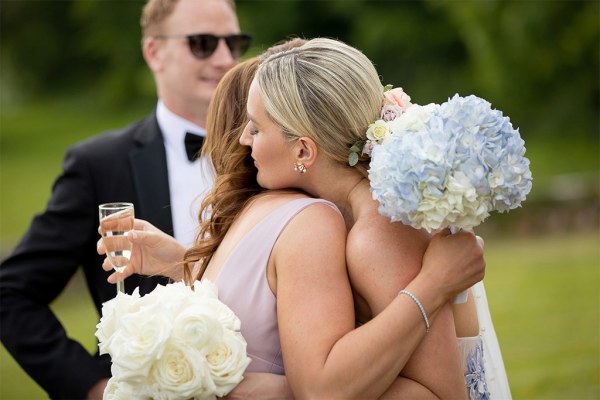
(449, 165)
(475, 376)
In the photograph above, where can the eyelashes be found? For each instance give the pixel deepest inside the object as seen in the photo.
(253, 132)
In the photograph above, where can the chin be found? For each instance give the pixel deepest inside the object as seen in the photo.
(267, 184)
(263, 184)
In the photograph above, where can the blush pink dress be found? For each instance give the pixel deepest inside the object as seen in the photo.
(243, 286)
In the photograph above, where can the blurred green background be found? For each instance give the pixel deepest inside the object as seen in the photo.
(71, 69)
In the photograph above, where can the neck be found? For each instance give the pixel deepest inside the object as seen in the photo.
(196, 114)
(342, 187)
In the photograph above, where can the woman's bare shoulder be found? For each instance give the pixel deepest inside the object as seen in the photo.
(375, 239)
(270, 200)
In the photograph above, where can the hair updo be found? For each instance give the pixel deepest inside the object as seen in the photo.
(325, 90)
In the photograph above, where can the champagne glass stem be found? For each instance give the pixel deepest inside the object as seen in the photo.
(116, 219)
(120, 286)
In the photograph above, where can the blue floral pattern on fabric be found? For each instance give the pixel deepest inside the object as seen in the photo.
(475, 375)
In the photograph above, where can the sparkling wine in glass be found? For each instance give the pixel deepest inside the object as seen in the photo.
(116, 220)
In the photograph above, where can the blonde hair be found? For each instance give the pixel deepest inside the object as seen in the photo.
(155, 12)
(235, 183)
(325, 90)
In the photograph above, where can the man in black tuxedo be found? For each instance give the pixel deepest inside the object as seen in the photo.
(189, 45)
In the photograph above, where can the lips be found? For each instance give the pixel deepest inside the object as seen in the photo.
(211, 80)
(214, 82)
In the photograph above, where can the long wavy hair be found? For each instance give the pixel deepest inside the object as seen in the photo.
(235, 182)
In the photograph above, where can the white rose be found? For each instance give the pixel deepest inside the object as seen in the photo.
(181, 372)
(199, 327)
(139, 341)
(378, 130)
(225, 315)
(116, 390)
(205, 289)
(227, 362)
(414, 119)
(112, 312)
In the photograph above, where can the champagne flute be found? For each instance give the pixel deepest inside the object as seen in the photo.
(116, 220)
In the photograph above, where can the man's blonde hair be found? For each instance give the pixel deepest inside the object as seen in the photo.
(156, 11)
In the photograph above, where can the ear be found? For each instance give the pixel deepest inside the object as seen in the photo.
(152, 54)
(306, 151)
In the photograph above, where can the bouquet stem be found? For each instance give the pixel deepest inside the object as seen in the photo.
(462, 297)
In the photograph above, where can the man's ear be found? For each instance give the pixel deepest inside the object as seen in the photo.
(306, 151)
(151, 53)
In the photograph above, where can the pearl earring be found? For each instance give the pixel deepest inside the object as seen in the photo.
(298, 166)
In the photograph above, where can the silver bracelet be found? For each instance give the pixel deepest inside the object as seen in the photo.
(412, 296)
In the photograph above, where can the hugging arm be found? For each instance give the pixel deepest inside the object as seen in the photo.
(324, 355)
(384, 258)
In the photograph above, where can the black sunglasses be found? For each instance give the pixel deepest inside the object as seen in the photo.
(203, 45)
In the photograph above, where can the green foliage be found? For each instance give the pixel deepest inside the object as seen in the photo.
(538, 62)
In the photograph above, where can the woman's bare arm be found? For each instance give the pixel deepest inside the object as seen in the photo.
(324, 355)
(383, 258)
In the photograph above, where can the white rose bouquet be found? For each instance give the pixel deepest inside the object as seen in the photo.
(447, 165)
(173, 343)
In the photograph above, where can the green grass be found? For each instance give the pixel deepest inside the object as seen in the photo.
(544, 298)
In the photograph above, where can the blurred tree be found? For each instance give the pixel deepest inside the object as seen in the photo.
(538, 62)
(64, 46)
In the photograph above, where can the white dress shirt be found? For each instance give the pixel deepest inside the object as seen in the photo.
(189, 181)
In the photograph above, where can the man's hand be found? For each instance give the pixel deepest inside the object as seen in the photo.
(97, 391)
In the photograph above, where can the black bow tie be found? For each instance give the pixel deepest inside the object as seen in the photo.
(193, 144)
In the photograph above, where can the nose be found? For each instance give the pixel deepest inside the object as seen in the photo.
(222, 56)
(246, 137)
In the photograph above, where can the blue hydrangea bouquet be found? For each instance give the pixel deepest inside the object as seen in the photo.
(445, 165)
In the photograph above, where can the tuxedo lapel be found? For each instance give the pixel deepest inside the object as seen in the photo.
(150, 176)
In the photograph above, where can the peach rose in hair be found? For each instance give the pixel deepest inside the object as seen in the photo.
(398, 97)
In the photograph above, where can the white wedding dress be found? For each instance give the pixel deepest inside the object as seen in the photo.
(485, 375)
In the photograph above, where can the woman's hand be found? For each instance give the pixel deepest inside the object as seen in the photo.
(454, 262)
(154, 253)
(257, 385)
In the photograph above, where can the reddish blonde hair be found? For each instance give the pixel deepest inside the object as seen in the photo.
(235, 182)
